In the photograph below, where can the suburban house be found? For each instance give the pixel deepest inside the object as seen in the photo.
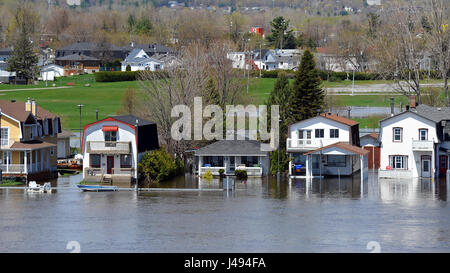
(28, 140)
(327, 144)
(231, 155)
(168, 61)
(102, 51)
(50, 72)
(75, 64)
(63, 144)
(5, 76)
(416, 142)
(285, 59)
(113, 147)
(238, 59)
(150, 49)
(139, 60)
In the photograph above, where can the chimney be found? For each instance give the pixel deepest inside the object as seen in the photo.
(28, 105)
(33, 107)
(412, 101)
(392, 106)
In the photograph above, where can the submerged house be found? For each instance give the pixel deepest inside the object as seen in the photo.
(231, 155)
(113, 147)
(28, 144)
(415, 143)
(327, 144)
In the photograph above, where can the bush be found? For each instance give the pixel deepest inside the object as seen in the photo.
(128, 68)
(221, 172)
(240, 174)
(207, 175)
(158, 165)
(121, 76)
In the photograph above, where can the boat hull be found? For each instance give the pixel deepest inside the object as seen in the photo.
(97, 188)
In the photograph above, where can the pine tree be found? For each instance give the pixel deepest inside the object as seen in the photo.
(307, 95)
(23, 60)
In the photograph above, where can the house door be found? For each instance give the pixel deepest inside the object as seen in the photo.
(443, 164)
(109, 164)
(426, 167)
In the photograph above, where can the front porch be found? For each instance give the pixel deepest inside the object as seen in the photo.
(253, 165)
(26, 161)
(105, 176)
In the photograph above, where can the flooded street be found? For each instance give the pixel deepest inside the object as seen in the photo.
(328, 215)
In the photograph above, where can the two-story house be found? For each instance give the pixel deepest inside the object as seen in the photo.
(327, 144)
(28, 140)
(139, 60)
(415, 143)
(113, 147)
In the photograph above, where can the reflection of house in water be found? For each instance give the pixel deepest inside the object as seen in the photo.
(411, 190)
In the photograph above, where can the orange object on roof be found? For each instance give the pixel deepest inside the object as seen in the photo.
(110, 128)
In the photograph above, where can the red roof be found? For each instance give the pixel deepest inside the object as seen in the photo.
(342, 145)
(339, 119)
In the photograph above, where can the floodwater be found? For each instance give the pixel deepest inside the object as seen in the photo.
(261, 215)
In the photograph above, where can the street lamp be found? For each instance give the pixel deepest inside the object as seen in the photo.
(79, 106)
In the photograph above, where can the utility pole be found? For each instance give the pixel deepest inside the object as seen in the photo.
(278, 167)
(81, 130)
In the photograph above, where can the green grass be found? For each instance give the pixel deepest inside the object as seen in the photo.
(10, 183)
(105, 97)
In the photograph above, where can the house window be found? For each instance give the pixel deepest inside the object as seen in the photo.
(398, 134)
(125, 161)
(304, 134)
(319, 133)
(250, 161)
(398, 162)
(423, 134)
(4, 134)
(213, 161)
(6, 157)
(94, 160)
(334, 133)
(336, 160)
(111, 136)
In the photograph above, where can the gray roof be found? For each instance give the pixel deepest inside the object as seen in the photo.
(87, 46)
(76, 57)
(130, 119)
(131, 58)
(150, 48)
(435, 114)
(263, 53)
(232, 147)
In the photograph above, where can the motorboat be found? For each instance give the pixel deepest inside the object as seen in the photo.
(96, 188)
(33, 187)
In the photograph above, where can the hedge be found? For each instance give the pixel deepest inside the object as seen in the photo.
(120, 76)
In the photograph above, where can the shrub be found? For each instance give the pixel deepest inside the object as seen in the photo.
(158, 165)
(221, 172)
(115, 76)
(207, 175)
(128, 68)
(240, 174)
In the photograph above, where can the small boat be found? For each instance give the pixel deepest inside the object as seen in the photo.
(96, 188)
(33, 187)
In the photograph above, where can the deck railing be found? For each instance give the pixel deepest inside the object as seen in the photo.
(12, 168)
(109, 147)
(422, 145)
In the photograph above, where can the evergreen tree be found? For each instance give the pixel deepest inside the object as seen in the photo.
(307, 95)
(23, 60)
(281, 37)
(281, 96)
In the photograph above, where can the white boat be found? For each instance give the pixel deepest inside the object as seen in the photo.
(34, 187)
(96, 188)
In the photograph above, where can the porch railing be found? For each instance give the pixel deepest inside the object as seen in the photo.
(109, 147)
(251, 171)
(214, 170)
(394, 173)
(422, 145)
(303, 143)
(12, 168)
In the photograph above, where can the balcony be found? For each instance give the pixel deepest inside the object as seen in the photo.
(108, 147)
(303, 144)
(12, 168)
(422, 145)
(6, 143)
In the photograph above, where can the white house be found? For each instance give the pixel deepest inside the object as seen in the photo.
(51, 71)
(112, 147)
(415, 143)
(325, 145)
(137, 59)
(285, 59)
(237, 59)
(231, 155)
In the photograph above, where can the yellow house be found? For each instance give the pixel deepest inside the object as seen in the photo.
(28, 140)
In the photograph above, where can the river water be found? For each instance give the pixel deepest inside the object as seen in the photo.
(260, 215)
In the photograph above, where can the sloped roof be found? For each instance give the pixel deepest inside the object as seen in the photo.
(132, 57)
(88, 46)
(153, 48)
(372, 135)
(339, 119)
(31, 145)
(130, 119)
(17, 110)
(435, 114)
(77, 57)
(344, 146)
(232, 147)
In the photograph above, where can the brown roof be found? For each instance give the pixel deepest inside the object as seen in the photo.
(17, 110)
(339, 119)
(32, 145)
(372, 135)
(343, 145)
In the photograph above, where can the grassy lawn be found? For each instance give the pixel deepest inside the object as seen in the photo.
(106, 97)
(9, 183)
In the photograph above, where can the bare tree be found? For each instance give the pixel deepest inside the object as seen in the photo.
(437, 35)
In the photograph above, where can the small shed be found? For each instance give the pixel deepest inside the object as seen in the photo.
(371, 143)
